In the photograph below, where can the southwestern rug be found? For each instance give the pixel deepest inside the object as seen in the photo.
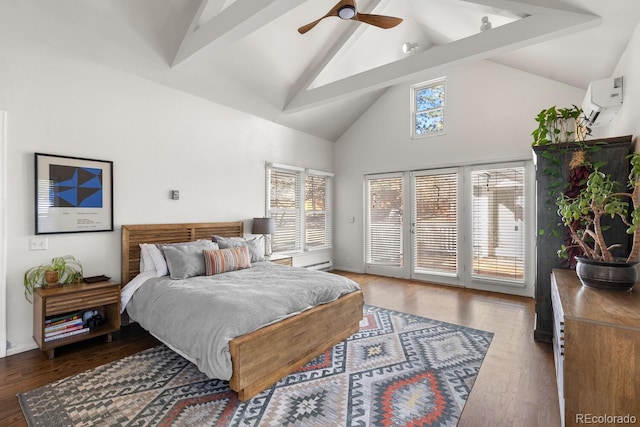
(399, 369)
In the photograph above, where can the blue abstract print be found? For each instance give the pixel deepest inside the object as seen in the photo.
(75, 187)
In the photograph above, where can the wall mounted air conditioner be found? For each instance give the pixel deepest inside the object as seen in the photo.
(602, 101)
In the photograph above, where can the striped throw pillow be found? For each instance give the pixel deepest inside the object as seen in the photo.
(223, 260)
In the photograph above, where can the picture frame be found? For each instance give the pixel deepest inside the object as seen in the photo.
(73, 194)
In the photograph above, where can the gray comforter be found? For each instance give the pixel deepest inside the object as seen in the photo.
(199, 316)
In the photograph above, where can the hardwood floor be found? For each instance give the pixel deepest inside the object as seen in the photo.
(515, 386)
(32, 369)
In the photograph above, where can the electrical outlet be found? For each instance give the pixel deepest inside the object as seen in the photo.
(175, 195)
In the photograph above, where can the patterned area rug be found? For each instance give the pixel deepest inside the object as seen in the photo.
(399, 369)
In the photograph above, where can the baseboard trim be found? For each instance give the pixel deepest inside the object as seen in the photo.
(21, 349)
(347, 269)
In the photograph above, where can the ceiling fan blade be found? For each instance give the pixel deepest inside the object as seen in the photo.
(309, 26)
(333, 12)
(378, 20)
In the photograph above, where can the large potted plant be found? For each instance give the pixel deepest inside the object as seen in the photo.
(583, 214)
(61, 270)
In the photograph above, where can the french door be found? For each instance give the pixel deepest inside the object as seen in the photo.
(435, 230)
(385, 225)
(461, 226)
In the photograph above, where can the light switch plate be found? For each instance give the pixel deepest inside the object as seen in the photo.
(38, 243)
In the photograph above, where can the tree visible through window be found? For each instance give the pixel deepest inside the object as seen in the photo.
(428, 108)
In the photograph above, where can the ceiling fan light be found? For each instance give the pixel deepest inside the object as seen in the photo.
(347, 12)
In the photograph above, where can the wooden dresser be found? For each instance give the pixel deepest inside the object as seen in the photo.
(597, 352)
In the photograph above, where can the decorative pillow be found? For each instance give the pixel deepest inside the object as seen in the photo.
(255, 245)
(223, 260)
(185, 260)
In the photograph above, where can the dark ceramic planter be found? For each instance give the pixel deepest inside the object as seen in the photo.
(616, 276)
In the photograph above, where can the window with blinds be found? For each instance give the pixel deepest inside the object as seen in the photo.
(285, 208)
(435, 224)
(498, 223)
(300, 203)
(384, 220)
(317, 211)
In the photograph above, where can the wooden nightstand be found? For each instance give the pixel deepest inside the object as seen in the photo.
(49, 303)
(281, 259)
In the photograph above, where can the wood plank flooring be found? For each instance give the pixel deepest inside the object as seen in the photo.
(515, 386)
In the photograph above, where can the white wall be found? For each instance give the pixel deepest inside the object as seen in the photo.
(626, 121)
(489, 116)
(158, 138)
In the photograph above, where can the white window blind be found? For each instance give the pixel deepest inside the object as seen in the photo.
(384, 220)
(436, 224)
(285, 208)
(317, 211)
(498, 223)
(300, 203)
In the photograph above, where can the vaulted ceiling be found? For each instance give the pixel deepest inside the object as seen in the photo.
(247, 54)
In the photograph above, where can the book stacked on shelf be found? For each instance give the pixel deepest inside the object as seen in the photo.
(64, 326)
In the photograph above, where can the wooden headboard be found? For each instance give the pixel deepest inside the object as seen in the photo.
(133, 235)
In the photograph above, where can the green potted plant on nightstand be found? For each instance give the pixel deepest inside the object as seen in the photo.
(61, 270)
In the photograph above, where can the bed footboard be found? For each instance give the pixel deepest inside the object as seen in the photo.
(268, 354)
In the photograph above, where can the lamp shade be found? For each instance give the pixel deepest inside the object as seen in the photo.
(263, 226)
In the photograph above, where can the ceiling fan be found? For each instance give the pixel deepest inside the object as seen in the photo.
(346, 9)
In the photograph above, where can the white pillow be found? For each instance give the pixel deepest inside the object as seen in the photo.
(151, 259)
(158, 260)
(146, 262)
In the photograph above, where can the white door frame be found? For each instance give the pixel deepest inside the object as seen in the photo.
(3, 233)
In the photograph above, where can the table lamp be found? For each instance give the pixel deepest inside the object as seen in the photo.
(266, 227)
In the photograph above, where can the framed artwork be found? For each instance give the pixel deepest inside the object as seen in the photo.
(73, 195)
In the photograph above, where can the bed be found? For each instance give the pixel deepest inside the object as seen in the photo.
(284, 345)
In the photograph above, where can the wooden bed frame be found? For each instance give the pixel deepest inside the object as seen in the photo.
(264, 356)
